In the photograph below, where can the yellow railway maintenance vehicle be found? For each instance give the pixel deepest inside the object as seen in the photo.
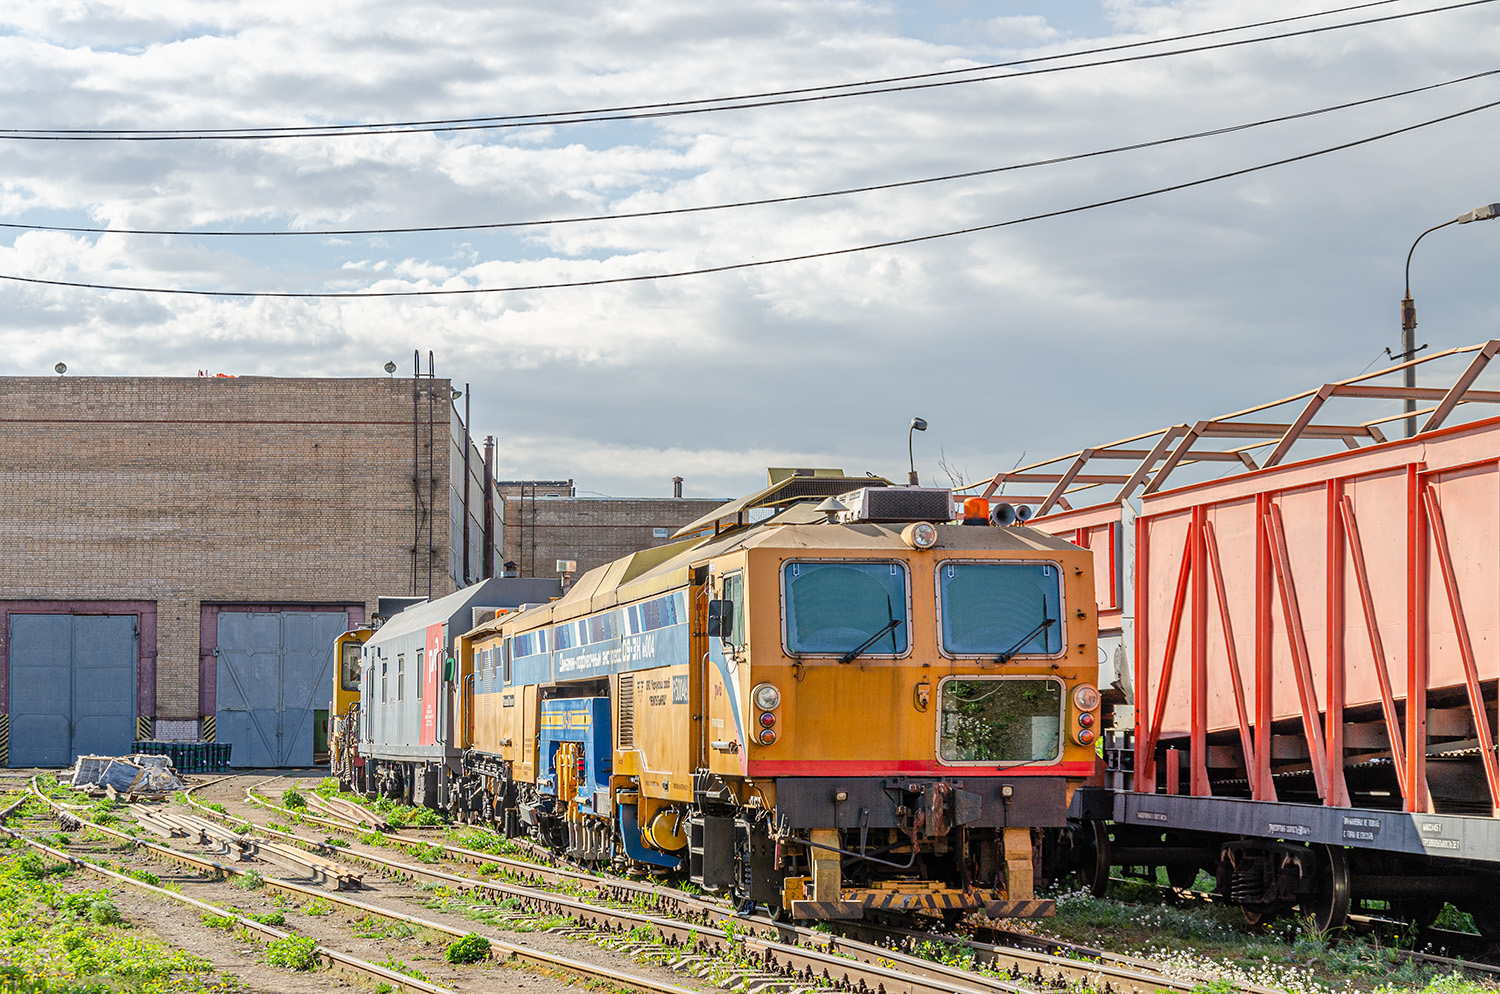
(343, 753)
(822, 706)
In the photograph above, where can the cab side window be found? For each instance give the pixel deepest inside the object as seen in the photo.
(734, 593)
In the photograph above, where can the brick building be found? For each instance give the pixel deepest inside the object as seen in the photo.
(177, 554)
(547, 521)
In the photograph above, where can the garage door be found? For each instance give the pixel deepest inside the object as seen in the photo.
(275, 668)
(72, 687)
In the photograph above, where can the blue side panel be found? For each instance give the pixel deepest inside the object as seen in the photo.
(642, 651)
(528, 671)
(630, 830)
(578, 719)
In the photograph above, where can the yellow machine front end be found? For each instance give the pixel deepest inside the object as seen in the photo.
(844, 732)
(343, 757)
(821, 714)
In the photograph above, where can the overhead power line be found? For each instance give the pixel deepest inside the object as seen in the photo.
(896, 84)
(761, 263)
(759, 202)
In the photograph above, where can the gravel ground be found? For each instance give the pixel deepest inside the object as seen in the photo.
(183, 927)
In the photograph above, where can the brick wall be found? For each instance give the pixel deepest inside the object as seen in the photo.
(181, 491)
(589, 530)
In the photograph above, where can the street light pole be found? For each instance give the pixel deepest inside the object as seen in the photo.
(1409, 311)
(917, 424)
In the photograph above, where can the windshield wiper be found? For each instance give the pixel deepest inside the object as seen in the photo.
(1005, 656)
(854, 653)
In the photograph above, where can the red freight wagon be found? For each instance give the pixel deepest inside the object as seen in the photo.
(1313, 646)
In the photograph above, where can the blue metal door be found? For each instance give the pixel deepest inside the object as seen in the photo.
(275, 668)
(72, 687)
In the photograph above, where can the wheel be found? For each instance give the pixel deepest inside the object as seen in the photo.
(1182, 878)
(1329, 905)
(1262, 914)
(1100, 884)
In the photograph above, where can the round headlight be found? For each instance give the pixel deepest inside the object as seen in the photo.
(767, 736)
(1085, 697)
(921, 535)
(766, 697)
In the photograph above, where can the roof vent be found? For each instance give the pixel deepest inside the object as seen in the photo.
(898, 504)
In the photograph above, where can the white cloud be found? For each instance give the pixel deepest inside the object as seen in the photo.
(1039, 337)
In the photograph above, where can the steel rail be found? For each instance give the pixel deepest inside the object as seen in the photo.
(611, 888)
(509, 949)
(853, 964)
(778, 944)
(327, 955)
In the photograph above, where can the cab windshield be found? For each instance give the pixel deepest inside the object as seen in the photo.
(833, 608)
(995, 608)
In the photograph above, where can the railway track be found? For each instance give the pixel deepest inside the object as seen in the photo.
(864, 957)
(327, 955)
(500, 949)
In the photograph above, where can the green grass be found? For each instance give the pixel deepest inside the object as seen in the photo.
(401, 968)
(1215, 940)
(295, 952)
(370, 927)
(317, 908)
(292, 798)
(481, 841)
(470, 949)
(55, 940)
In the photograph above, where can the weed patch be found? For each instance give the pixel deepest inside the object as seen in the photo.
(57, 941)
(295, 952)
(470, 949)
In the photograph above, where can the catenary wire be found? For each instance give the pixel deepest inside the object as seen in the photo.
(761, 263)
(671, 109)
(741, 96)
(760, 202)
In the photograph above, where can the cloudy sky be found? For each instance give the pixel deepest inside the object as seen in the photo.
(1035, 337)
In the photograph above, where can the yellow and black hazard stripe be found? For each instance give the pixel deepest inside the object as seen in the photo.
(923, 900)
(208, 728)
(4, 740)
(142, 728)
(1035, 908)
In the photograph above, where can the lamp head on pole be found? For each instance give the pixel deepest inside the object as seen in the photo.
(1485, 213)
